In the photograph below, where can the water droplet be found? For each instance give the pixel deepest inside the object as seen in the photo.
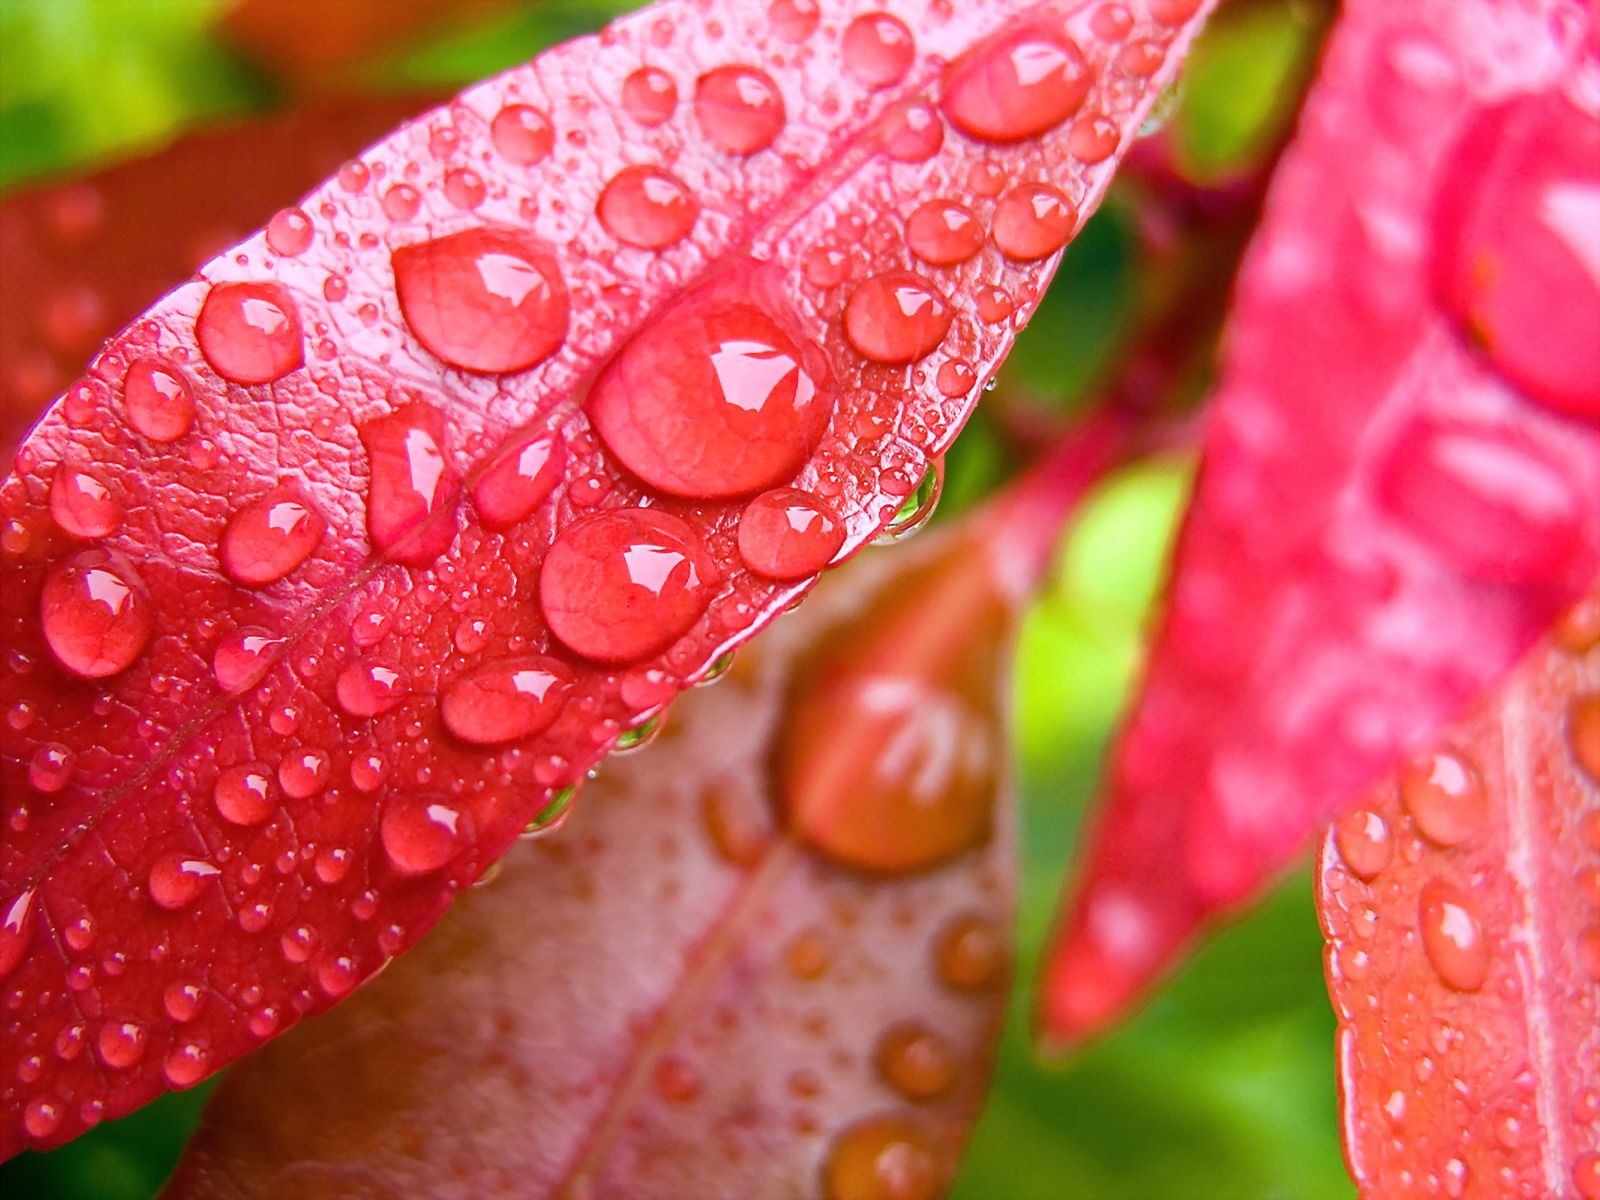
(1515, 234)
(551, 817)
(421, 834)
(912, 132)
(336, 976)
(897, 317)
(956, 378)
(1492, 505)
(918, 508)
(369, 689)
(159, 403)
(1589, 951)
(95, 618)
(625, 584)
(296, 944)
(354, 176)
(1364, 842)
(1453, 936)
(887, 1157)
(522, 476)
(1094, 138)
(826, 266)
(463, 187)
(522, 134)
(270, 537)
(794, 20)
(713, 401)
(788, 534)
(289, 232)
(333, 865)
(1032, 222)
(41, 1117)
(121, 1043)
(50, 768)
(916, 1062)
(1017, 86)
(485, 300)
(187, 1066)
(413, 488)
(505, 701)
(16, 931)
(647, 207)
(809, 954)
(972, 955)
(943, 232)
(1173, 12)
(304, 773)
(739, 109)
(243, 657)
(1586, 1175)
(878, 49)
(401, 202)
(82, 505)
(183, 1000)
(1445, 796)
(1583, 737)
(250, 332)
(176, 882)
(650, 96)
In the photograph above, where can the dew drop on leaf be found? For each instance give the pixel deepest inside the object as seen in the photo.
(41, 1117)
(887, 1157)
(943, 232)
(243, 657)
(505, 701)
(912, 133)
(158, 401)
(522, 134)
(289, 232)
(739, 109)
(897, 317)
(270, 537)
(176, 881)
(1452, 936)
(369, 689)
(1445, 796)
(971, 955)
(16, 931)
(649, 96)
(523, 474)
(794, 20)
(1364, 842)
(647, 207)
(304, 773)
(788, 534)
(182, 1000)
(95, 619)
(121, 1043)
(250, 332)
(412, 487)
(1032, 222)
(50, 768)
(83, 505)
(1016, 87)
(186, 1066)
(916, 1062)
(420, 834)
(878, 49)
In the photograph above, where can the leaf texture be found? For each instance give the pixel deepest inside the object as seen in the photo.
(1399, 486)
(352, 555)
(1462, 909)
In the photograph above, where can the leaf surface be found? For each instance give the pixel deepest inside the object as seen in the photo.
(1400, 478)
(354, 553)
(1462, 909)
(766, 957)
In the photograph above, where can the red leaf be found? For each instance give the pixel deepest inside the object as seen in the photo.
(1462, 909)
(81, 259)
(695, 1001)
(1399, 489)
(323, 690)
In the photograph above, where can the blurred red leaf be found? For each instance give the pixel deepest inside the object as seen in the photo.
(761, 959)
(82, 258)
(1399, 487)
(1462, 909)
(274, 691)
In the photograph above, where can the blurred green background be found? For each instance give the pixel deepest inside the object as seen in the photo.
(1223, 1087)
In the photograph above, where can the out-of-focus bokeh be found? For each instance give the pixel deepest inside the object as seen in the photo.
(1223, 1087)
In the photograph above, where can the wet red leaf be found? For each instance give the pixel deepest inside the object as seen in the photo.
(717, 980)
(328, 423)
(1399, 486)
(82, 258)
(1462, 908)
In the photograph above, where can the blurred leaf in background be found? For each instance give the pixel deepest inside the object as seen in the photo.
(1224, 1086)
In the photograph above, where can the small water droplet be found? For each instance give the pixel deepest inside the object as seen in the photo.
(41, 1117)
(650, 96)
(1364, 842)
(1016, 87)
(647, 207)
(485, 300)
(412, 487)
(270, 537)
(183, 1000)
(337, 975)
(1445, 796)
(176, 881)
(943, 232)
(121, 1043)
(304, 773)
(523, 474)
(369, 689)
(956, 378)
(788, 534)
(50, 769)
(1586, 1175)
(886, 1157)
(918, 508)
(794, 20)
(522, 134)
(401, 202)
(289, 232)
(916, 1062)
(1453, 936)
(96, 619)
(1583, 738)
(82, 505)
(912, 132)
(16, 931)
(898, 317)
(158, 401)
(739, 109)
(505, 701)
(972, 955)
(187, 1066)
(243, 657)
(250, 332)
(1033, 222)
(1094, 138)
(550, 818)
(420, 834)
(878, 49)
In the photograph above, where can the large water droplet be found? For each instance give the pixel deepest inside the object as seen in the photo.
(421, 834)
(1453, 936)
(1032, 222)
(82, 505)
(369, 689)
(243, 657)
(522, 134)
(943, 232)
(250, 332)
(16, 931)
(916, 1062)
(647, 207)
(523, 474)
(1364, 842)
(1494, 506)
(1445, 796)
(739, 108)
(176, 881)
(713, 401)
(413, 487)
(1017, 86)
(270, 537)
(95, 616)
(159, 403)
(887, 1157)
(505, 701)
(486, 300)
(897, 317)
(878, 49)
(625, 584)
(788, 534)
(1517, 246)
